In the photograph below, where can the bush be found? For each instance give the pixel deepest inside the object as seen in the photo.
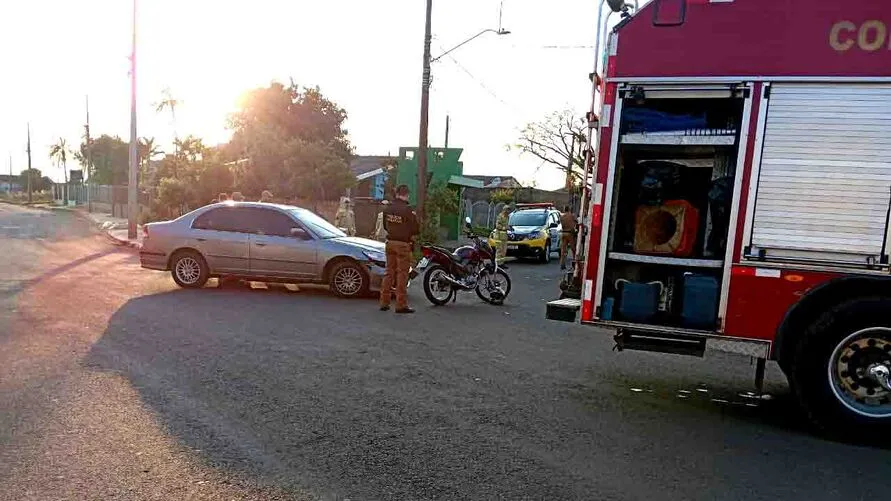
(482, 231)
(502, 195)
(21, 197)
(440, 200)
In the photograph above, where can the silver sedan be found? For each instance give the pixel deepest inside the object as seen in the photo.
(264, 243)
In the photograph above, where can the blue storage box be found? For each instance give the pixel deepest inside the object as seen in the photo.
(638, 302)
(699, 302)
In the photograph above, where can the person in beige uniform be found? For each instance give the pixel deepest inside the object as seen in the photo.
(345, 219)
(502, 225)
(570, 229)
(380, 234)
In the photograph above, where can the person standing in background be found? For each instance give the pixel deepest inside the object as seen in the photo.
(401, 225)
(502, 224)
(380, 233)
(345, 218)
(570, 228)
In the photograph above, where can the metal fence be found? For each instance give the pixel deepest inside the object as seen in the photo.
(481, 214)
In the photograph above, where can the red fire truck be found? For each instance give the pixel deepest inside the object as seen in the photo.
(739, 194)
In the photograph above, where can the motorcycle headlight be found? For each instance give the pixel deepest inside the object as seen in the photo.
(376, 256)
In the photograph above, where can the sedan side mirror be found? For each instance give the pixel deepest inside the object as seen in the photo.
(299, 233)
(553, 225)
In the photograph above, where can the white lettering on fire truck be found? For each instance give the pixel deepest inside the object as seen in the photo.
(869, 36)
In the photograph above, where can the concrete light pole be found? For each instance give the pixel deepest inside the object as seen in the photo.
(89, 167)
(29, 164)
(132, 202)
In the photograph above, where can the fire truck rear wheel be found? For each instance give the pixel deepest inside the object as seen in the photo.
(833, 366)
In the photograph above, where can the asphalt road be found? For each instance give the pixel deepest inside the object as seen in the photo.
(114, 384)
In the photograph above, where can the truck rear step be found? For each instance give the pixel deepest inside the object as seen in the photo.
(563, 310)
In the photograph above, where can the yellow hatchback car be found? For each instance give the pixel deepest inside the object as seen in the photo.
(533, 232)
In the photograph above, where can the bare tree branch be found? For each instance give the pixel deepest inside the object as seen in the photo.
(551, 140)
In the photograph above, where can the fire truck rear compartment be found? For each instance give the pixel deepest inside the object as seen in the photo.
(669, 223)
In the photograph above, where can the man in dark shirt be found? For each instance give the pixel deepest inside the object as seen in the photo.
(401, 225)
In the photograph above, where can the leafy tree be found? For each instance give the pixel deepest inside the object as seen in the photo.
(558, 139)
(59, 154)
(170, 103)
(190, 148)
(294, 140)
(38, 181)
(111, 159)
(147, 150)
(172, 195)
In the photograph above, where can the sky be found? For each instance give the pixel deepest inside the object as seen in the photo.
(365, 55)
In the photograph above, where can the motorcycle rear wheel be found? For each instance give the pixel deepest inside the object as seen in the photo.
(431, 282)
(486, 280)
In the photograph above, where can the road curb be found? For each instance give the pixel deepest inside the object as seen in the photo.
(123, 241)
(107, 231)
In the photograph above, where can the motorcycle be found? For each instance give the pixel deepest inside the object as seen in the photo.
(470, 267)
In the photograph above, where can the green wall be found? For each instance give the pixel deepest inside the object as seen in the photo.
(442, 164)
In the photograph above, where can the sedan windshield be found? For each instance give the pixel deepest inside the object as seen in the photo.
(317, 225)
(524, 218)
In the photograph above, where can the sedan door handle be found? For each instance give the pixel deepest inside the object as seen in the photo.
(201, 239)
(260, 244)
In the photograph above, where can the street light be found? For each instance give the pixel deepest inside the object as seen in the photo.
(499, 31)
(425, 103)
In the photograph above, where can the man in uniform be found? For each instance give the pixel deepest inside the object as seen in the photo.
(345, 218)
(570, 229)
(501, 226)
(401, 225)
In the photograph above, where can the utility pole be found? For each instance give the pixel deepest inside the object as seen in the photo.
(10, 173)
(425, 110)
(132, 202)
(89, 160)
(29, 163)
(447, 132)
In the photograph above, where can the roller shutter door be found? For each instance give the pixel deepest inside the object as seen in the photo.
(824, 184)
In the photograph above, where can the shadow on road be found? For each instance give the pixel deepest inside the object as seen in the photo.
(68, 267)
(331, 395)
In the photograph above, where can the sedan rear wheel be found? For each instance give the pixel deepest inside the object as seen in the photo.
(189, 270)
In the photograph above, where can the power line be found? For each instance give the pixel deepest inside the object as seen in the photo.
(481, 83)
(563, 47)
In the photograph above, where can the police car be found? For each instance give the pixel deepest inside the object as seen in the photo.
(533, 231)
